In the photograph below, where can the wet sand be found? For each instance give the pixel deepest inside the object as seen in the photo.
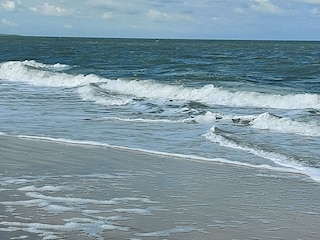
(51, 190)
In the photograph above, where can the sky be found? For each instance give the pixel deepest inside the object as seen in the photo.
(195, 19)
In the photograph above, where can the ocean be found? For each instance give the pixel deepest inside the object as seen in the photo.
(249, 103)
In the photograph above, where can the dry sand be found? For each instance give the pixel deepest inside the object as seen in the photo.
(52, 190)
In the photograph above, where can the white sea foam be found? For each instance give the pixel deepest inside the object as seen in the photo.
(285, 125)
(9, 229)
(264, 121)
(20, 237)
(50, 231)
(40, 203)
(277, 158)
(168, 232)
(9, 180)
(209, 117)
(124, 90)
(45, 199)
(93, 225)
(102, 175)
(210, 94)
(5, 181)
(53, 208)
(132, 199)
(45, 188)
(42, 66)
(69, 200)
(144, 120)
(43, 75)
(89, 93)
(138, 211)
(284, 165)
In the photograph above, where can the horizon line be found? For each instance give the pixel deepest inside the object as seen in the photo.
(164, 38)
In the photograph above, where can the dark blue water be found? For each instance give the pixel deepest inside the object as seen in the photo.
(254, 103)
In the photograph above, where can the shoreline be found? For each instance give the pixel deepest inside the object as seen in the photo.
(294, 168)
(56, 190)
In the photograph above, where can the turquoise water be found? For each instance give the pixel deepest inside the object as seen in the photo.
(254, 103)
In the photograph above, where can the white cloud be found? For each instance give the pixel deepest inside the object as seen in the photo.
(109, 9)
(116, 5)
(156, 15)
(107, 3)
(315, 11)
(50, 10)
(309, 1)
(68, 26)
(8, 23)
(265, 6)
(107, 15)
(8, 5)
(216, 19)
(239, 10)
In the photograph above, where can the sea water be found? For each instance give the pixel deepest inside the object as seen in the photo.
(252, 103)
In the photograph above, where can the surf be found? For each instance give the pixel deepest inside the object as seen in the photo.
(106, 91)
(281, 160)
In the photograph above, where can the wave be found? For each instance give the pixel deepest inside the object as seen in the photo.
(209, 94)
(277, 158)
(285, 164)
(39, 74)
(123, 91)
(273, 123)
(94, 94)
(265, 121)
(209, 117)
(46, 67)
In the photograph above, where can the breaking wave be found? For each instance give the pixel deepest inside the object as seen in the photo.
(273, 123)
(121, 91)
(264, 121)
(40, 74)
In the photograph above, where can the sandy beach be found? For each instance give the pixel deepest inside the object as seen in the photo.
(51, 190)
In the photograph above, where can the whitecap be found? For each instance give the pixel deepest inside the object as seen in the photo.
(122, 91)
(209, 94)
(285, 125)
(43, 75)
